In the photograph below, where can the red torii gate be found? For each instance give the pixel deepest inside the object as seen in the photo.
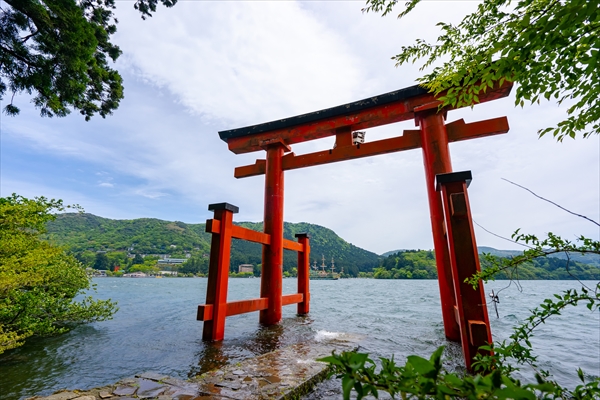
(464, 310)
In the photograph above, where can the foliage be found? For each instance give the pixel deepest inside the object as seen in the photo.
(241, 275)
(420, 264)
(515, 267)
(60, 51)
(83, 232)
(101, 262)
(408, 264)
(137, 259)
(197, 265)
(519, 349)
(550, 48)
(420, 378)
(86, 234)
(38, 281)
(148, 266)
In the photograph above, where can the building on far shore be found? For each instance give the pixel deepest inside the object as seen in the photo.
(135, 275)
(171, 261)
(246, 268)
(97, 272)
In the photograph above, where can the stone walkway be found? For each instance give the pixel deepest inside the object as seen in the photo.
(287, 373)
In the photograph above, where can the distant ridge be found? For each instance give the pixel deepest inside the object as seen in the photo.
(593, 259)
(87, 233)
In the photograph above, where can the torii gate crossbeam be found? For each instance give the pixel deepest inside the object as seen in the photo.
(432, 137)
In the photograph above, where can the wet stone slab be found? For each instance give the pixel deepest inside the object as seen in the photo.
(286, 373)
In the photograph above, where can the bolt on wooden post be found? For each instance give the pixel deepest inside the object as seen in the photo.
(471, 307)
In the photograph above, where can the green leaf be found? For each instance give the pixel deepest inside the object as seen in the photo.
(357, 361)
(515, 393)
(347, 385)
(421, 365)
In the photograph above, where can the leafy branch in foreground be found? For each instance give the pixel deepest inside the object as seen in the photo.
(38, 281)
(420, 378)
(59, 51)
(550, 48)
(519, 347)
(494, 379)
(426, 379)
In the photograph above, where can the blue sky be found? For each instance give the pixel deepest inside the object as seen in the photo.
(202, 67)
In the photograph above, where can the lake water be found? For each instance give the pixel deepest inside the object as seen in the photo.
(156, 330)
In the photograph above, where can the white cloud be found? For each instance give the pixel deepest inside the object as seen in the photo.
(244, 62)
(202, 67)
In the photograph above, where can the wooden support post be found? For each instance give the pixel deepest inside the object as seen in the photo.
(470, 303)
(218, 271)
(304, 273)
(271, 279)
(343, 137)
(436, 158)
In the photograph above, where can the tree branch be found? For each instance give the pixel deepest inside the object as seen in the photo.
(502, 237)
(553, 203)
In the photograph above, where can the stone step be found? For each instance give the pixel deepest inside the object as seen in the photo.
(286, 373)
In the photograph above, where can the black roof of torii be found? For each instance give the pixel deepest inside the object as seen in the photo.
(391, 97)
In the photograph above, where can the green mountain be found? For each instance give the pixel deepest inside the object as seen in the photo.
(87, 234)
(420, 264)
(593, 259)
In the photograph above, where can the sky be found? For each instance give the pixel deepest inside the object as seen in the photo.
(207, 66)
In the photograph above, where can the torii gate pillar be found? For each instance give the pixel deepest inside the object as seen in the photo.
(436, 158)
(271, 278)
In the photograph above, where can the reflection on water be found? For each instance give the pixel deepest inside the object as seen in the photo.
(156, 330)
(265, 339)
(210, 357)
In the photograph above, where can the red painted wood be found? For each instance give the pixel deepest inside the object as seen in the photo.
(218, 273)
(471, 303)
(436, 158)
(258, 168)
(272, 257)
(343, 137)
(205, 311)
(295, 298)
(250, 235)
(410, 140)
(291, 245)
(369, 118)
(212, 226)
(457, 131)
(304, 275)
(246, 306)
(239, 232)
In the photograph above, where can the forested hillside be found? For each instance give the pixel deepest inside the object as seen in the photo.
(420, 264)
(86, 235)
